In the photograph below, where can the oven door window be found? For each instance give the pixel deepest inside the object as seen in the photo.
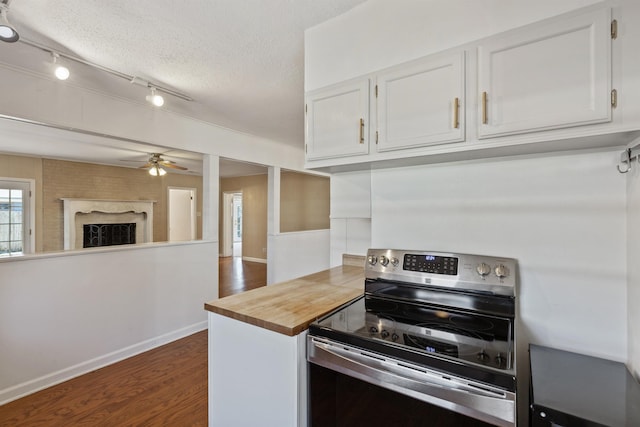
(338, 400)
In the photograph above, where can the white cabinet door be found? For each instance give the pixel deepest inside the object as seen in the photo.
(422, 104)
(338, 121)
(546, 76)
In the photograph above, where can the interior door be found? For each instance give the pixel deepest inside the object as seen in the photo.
(182, 214)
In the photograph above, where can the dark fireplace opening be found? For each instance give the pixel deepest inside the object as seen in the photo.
(95, 235)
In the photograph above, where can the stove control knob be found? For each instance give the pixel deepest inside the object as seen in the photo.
(383, 260)
(394, 337)
(395, 261)
(500, 360)
(372, 259)
(482, 356)
(384, 334)
(373, 330)
(483, 269)
(501, 271)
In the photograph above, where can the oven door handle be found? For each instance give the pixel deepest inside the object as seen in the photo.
(477, 400)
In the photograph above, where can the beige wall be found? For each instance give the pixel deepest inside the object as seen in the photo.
(254, 190)
(56, 179)
(304, 202)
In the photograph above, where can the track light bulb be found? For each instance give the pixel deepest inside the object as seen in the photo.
(156, 100)
(61, 72)
(7, 32)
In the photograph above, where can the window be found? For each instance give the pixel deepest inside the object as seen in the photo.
(15, 225)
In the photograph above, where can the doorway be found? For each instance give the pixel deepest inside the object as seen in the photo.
(182, 214)
(232, 224)
(237, 224)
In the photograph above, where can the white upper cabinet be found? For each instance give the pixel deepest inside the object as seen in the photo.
(421, 104)
(547, 76)
(337, 121)
(543, 87)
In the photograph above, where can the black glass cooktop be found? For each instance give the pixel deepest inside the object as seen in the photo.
(472, 345)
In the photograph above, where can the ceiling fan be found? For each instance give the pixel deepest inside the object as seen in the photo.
(156, 165)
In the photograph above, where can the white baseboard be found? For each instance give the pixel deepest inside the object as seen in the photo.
(20, 390)
(247, 258)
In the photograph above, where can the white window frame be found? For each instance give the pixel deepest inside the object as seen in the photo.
(28, 210)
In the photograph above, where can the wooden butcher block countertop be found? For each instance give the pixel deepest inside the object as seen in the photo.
(289, 307)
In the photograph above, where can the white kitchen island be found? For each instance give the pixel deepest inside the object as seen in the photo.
(257, 347)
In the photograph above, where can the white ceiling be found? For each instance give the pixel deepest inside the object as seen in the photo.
(242, 61)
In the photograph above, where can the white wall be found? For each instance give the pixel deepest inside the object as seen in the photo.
(382, 33)
(562, 217)
(633, 267)
(296, 254)
(350, 215)
(65, 315)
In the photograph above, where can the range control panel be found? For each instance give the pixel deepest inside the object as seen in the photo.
(431, 264)
(461, 271)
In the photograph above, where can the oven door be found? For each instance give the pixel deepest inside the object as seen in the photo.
(480, 401)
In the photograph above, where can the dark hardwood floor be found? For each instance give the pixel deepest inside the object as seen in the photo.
(237, 275)
(166, 386)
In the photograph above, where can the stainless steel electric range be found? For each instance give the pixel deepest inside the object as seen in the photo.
(438, 328)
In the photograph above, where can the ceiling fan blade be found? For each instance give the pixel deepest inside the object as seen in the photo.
(169, 165)
(146, 166)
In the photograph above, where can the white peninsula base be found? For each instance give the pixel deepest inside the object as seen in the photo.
(257, 377)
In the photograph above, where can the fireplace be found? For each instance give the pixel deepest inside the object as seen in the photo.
(130, 220)
(96, 235)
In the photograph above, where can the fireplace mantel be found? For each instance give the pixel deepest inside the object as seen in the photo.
(72, 207)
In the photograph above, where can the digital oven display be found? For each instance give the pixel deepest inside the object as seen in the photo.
(431, 264)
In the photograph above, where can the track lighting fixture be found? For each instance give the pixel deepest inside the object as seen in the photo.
(60, 71)
(7, 32)
(156, 170)
(155, 99)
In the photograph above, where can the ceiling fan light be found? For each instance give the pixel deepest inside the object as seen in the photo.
(156, 170)
(7, 32)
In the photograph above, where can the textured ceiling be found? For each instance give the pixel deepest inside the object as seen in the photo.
(240, 60)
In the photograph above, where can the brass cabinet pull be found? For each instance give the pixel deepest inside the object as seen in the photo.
(361, 131)
(484, 108)
(456, 109)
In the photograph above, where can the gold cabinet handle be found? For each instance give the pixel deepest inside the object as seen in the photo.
(484, 108)
(456, 109)
(361, 131)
